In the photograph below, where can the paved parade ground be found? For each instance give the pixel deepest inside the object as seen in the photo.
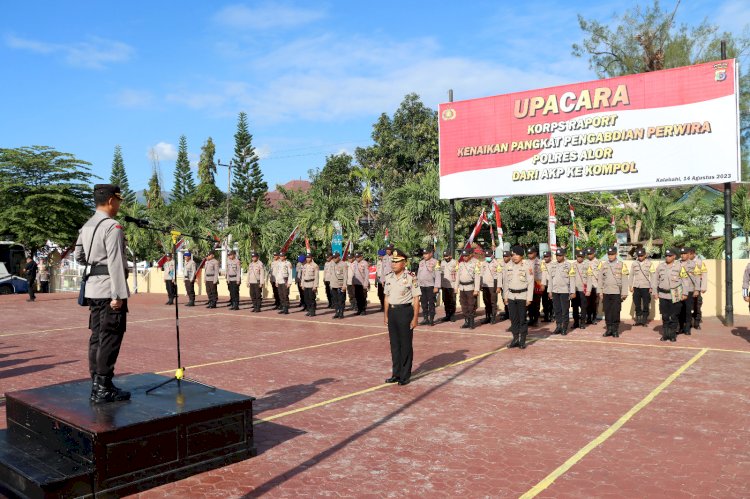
(575, 416)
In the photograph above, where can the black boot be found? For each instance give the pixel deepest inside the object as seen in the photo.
(616, 330)
(471, 323)
(106, 391)
(94, 387)
(286, 310)
(432, 319)
(312, 311)
(486, 318)
(425, 320)
(576, 324)
(607, 331)
(493, 319)
(664, 333)
(514, 342)
(522, 341)
(281, 310)
(465, 325)
(564, 331)
(696, 323)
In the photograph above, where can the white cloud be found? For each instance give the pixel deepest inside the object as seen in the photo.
(266, 16)
(131, 98)
(94, 53)
(263, 151)
(163, 151)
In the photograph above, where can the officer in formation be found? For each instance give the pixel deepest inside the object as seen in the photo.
(101, 248)
(700, 266)
(489, 275)
(170, 281)
(189, 271)
(641, 271)
(580, 302)
(350, 282)
(518, 293)
(692, 272)
(379, 281)
(284, 279)
(234, 279)
(560, 283)
(469, 279)
(449, 285)
(309, 278)
(256, 276)
(298, 280)
(211, 279)
(547, 306)
(339, 278)
(402, 293)
(592, 271)
(506, 259)
(428, 277)
(536, 265)
(327, 278)
(272, 279)
(613, 289)
(360, 282)
(668, 284)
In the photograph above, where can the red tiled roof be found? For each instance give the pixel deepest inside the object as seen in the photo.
(275, 197)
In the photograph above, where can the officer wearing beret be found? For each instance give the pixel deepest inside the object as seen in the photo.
(449, 283)
(668, 284)
(559, 280)
(211, 278)
(469, 279)
(701, 287)
(339, 278)
(284, 279)
(613, 289)
(547, 307)
(168, 273)
(189, 271)
(234, 279)
(428, 277)
(593, 265)
(256, 276)
(641, 271)
(101, 248)
(518, 293)
(401, 311)
(272, 278)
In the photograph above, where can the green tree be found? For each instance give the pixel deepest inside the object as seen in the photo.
(120, 177)
(247, 185)
(184, 185)
(741, 212)
(207, 195)
(44, 195)
(154, 199)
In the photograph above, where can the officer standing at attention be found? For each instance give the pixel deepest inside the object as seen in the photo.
(350, 283)
(298, 280)
(506, 260)
(168, 273)
(667, 284)
(189, 278)
(339, 278)
(449, 283)
(518, 293)
(536, 265)
(592, 271)
(428, 277)
(256, 276)
(582, 291)
(379, 281)
(234, 279)
(547, 307)
(489, 278)
(613, 289)
(272, 278)
(309, 278)
(284, 280)
(327, 278)
(692, 275)
(640, 285)
(469, 278)
(101, 247)
(30, 273)
(361, 282)
(561, 288)
(698, 300)
(402, 293)
(387, 268)
(211, 278)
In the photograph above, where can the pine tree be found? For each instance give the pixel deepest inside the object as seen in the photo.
(206, 164)
(153, 194)
(184, 185)
(247, 184)
(119, 177)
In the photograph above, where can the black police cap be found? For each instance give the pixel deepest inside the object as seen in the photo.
(546, 254)
(517, 250)
(640, 252)
(506, 253)
(590, 251)
(109, 190)
(612, 250)
(560, 252)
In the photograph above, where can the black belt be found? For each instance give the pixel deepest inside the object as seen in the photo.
(662, 290)
(309, 280)
(465, 283)
(99, 270)
(400, 305)
(518, 290)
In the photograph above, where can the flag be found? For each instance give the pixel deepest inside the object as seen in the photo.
(307, 246)
(290, 239)
(477, 228)
(492, 234)
(347, 248)
(573, 219)
(386, 236)
(552, 222)
(499, 224)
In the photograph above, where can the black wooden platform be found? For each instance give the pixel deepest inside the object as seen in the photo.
(58, 444)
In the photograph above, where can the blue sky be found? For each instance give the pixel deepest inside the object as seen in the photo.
(313, 76)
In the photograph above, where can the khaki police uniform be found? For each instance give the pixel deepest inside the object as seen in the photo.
(272, 279)
(234, 279)
(168, 274)
(256, 276)
(489, 284)
(189, 270)
(211, 278)
(361, 283)
(640, 285)
(327, 280)
(702, 287)
(428, 278)
(533, 309)
(350, 286)
(559, 279)
(468, 283)
(401, 291)
(449, 283)
(692, 271)
(339, 278)
(309, 280)
(613, 286)
(592, 301)
(284, 279)
(518, 281)
(580, 302)
(669, 286)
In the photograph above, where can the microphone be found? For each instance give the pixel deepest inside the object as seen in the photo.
(140, 222)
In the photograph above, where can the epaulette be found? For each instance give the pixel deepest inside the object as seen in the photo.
(653, 267)
(544, 267)
(572, 271)
(599, 267)
(704, 269)
(683, 273)
(625, 270)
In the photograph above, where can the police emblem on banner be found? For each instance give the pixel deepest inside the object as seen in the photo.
(449, 114)
(720, 71)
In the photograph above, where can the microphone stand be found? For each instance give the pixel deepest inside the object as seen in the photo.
(179, 373)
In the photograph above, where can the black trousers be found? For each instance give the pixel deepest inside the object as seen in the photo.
(256, 295)
(234, 293)
(449, 301)
(401, 336)
(301, 296)
(190, 289)
(381, 294)
(612, 305)
(697, 306)
(642, 301)
(518, 324)
(669, 311)
(32, 288)
(107, 329)
(468, 303)
(580, 302)
(489, 297)
(533, 309)
(276, 299)
(212, 290)
(171, 289)
(339, 300)
(427, 301)
(547, 305)
(327, 285)
(352, 295)
(283, 295)
(685, 315)
(310, 298)
(360, 297)
(561, 307)
(592, 303)
(44, 286)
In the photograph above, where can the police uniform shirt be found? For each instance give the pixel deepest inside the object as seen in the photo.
(489, 274)
(298, 271)
(108, 249)
(256, 273)
(401, 289)
(309, 275)
(339, 276)
(592, 272)
(666, 278)
(640, 273)
(327, 271)
(746, 280)
(691, 270)
(700, 266)
(350, 273)
(361, 273)
(469, 275)
(613, 278)
(43, 272)
(272, 271)
(449, 274)
(560, 277)
(519, 281)
(283, 272)
(387, 264)
(580, 276)
(211, 271)
(189, 270)
(379, 270)
(428, 273)
(536, 264)
(168, 270)
(234, 270)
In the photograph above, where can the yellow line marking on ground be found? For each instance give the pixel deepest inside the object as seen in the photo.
(667, 346)
(271, 354)
(563, 468)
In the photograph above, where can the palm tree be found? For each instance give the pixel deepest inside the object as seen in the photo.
(741, 212)
(657, 213)
(367, 177)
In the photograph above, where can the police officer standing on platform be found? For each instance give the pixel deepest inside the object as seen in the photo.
(518, 293)
(449, 283)
(667, 284)
(561, 288)
(189, 271)
(613, 289)
(168, 272)
(469, 278)
(256, 276)
(272, 278)
(101, 247)
(234, 279)
(547, 307)
(339, 278)
(700, 266)
(211, 278)
(640, 285)
(309, 279)
(428, 277)
(402, 293)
